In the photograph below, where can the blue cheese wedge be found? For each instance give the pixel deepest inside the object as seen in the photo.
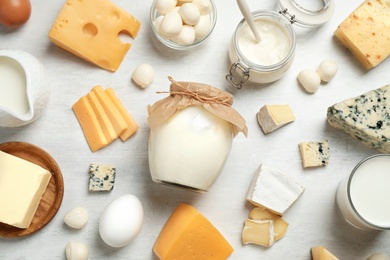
(366, 118)
(273, 190)
(101, 177)
(314, 154)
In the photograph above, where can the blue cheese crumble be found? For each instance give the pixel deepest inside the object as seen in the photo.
(314, 154)
(101, 177)
(366, 118)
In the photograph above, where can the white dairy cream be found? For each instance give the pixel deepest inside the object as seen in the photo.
(369, 189)
(13, 94)
(190, 149)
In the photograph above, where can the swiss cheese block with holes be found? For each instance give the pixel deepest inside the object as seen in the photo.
(90, 29)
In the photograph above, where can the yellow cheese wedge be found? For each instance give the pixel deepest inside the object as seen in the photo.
(280, 225)
(89, 123)
(22, 185)
(90, 29)
(259, 232)
(111, 110)
(366, 32)
(101, 116)
(320, 253)
(189, 235)
(132, 126)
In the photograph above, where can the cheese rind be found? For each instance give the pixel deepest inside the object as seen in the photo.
(273, 190)
(365, 117)
(314, 154)
(187, 234)
(101, 177)
(22, 185)
(320, 253)
(272, 117)
(366, 32)
(259, 232)
(90, 29)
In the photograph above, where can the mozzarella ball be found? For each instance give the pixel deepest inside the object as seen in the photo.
(189, 13)
(143, 75)
(379, 256)
(327, 70)
(165, 6)
(76, 218)
(76, 251)
(171, 25)
(202, 28)
(309, 80)
(204, 6)
(186, 36)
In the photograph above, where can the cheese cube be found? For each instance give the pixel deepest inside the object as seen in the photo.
(101, 177)
(259, 232)
(272, 117)
(366, 32)
(22, 185)
(273, 190)
(90, 29)
(189, 235)
(314, 154)
(320, 253)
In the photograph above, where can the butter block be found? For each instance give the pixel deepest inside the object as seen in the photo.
(272, 117)
(314, 154)
(90, 28)
(187, 234)
(22, 185)
(366, 32)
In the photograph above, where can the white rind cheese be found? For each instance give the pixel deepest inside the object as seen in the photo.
(272, 117)
(101, 177)
(366, 118)
(273, 190)
(314, 154)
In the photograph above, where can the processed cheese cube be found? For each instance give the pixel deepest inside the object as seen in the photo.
(189, 235)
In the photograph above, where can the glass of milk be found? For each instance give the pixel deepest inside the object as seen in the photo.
(362, 197)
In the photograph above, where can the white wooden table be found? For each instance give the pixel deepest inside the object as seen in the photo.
(314, 219)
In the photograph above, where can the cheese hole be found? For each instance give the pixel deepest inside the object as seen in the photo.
(90, 30)
(116, 15)
(124, 36)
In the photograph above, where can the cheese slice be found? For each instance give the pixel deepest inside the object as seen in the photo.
(273, 190)
(366, 32)
(101, 116)
(272, 117)
(314, 154)
(259, 232)
(22, 185)
(187, 234)
(88, 121)
(90, 29)
(280, 225)
(132, 126)
(320, 253)
(111, 110)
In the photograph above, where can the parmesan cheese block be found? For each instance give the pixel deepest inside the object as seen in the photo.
(366, 32)
(259, 232)
(320, 253)
(22, 185)
(90, 29)
(187, 234)
(272, 117)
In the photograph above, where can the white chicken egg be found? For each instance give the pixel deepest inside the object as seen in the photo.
(121, 220)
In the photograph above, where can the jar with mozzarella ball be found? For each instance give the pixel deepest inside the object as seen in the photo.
(269, 59)
(191, 134)
(182, 24)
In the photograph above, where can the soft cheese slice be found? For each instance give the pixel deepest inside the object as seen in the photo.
(187, 234)
(273, 190)
(320, 253)
(259, 232)
(132, 126)
(90, 29)
(314, 154)
(365, 118)
(22, 185)
(111, 110)
(89, 124)
(272, 117)
(101, 116)
(366, 32)
(280, 225)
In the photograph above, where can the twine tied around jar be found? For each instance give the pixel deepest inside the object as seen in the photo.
(184, 94)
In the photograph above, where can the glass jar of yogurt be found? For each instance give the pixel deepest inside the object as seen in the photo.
(191, 134)
(268, 60)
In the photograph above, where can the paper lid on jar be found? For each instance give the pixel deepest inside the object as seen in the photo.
(312, 14)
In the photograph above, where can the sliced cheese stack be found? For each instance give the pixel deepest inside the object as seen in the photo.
(103, 118)
(320, 253)
(22, 185)
(189, 235)
(366, 32)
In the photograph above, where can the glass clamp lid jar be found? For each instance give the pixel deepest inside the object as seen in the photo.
(269, 60)
(191, 134)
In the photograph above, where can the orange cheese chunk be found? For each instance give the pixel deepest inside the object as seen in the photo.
(189, 235)
(89, 123)
(132, 126)
(320, 253)
(90, 29)
(111, 110)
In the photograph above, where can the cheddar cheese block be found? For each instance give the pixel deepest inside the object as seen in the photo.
(90, 29)
(22, 185)
(189, 235)
(366, 32)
